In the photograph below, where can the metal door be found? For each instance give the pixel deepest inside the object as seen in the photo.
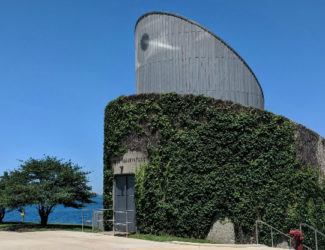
(124, 208)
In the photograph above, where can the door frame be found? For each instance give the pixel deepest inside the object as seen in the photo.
(113, 194)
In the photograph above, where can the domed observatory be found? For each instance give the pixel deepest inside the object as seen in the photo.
(175, 54)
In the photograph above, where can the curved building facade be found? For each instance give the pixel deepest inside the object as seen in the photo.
(174, 54)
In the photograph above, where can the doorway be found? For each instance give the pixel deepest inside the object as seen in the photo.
(124, 207)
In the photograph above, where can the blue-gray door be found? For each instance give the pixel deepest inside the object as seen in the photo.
(124, 208)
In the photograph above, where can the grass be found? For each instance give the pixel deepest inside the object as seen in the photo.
(162, 238)
(30, 226)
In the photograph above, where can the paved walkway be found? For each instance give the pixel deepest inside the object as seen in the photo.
(66, 240)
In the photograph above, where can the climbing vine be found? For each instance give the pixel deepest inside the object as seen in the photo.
(210, 159)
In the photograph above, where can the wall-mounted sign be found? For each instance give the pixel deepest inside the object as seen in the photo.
(129, 162)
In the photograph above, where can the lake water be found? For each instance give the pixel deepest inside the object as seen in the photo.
(60, 214)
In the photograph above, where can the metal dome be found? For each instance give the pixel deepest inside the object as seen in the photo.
(175, 54)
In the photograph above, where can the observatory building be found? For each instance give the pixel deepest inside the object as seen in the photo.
(177, 163)
(175, 54)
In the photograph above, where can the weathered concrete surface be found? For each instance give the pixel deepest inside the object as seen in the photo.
(283, 245)
(310, 148)
(65, 240)
(222, 231)
(320, 155)
(129, 163)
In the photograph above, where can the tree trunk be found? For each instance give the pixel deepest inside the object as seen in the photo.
(44, 214)
(44, 218)
(2, 213)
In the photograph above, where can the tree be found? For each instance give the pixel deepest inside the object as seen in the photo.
(49, 182)
(3, 197)
(12, 192)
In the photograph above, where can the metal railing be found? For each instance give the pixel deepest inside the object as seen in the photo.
(92, 217)
(126, 223)
(315, 232)
(277, 230)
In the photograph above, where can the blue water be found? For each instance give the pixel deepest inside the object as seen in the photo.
(60, 214)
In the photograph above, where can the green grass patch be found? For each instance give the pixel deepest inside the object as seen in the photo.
(162, 238)
(30, 226)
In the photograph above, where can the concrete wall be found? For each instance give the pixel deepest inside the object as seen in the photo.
(129, 163)
(222, 231)
(98, 218)
(174, 54)
(310, 148)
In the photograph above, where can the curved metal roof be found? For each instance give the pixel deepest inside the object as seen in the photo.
(205, 29)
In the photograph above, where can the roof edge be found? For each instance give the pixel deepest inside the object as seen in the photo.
(205, 29)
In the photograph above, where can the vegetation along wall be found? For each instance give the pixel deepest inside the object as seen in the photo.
(210, 159)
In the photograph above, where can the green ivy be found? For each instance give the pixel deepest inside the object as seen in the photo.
(211, 159)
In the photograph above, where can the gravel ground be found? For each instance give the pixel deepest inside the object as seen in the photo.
(67, 240)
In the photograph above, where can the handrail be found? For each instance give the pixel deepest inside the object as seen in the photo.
(126, 220)
(315, 229)
(92, 212)
(273, 228)
(315, 232)
(126, 223)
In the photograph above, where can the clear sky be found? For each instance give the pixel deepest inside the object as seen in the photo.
(62, 61)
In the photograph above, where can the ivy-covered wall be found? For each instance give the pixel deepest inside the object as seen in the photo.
(211, 159)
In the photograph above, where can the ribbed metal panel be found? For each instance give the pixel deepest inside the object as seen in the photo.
(184, 57)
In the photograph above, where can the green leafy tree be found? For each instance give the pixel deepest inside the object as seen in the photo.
(14, 194)
(3, 197)
(49, 182)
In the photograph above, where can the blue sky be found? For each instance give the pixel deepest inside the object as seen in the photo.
(62, 61)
